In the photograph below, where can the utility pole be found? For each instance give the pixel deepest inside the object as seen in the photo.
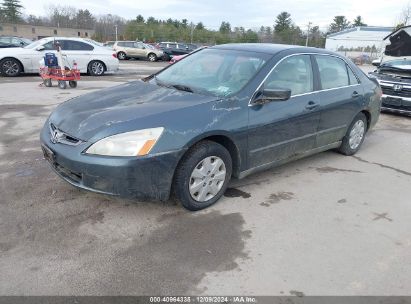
(116, 26)
(191, 33)
(308, 32)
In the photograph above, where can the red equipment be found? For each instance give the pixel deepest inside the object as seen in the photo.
(72, 76)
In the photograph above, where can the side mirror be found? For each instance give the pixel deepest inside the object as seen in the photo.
(269, 95)
(40, 48)
(377, 64)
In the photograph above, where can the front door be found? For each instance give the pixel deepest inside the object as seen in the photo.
(139, 50)
(282, 129)
(35, 58)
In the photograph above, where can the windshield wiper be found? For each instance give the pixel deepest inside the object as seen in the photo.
(181, 87)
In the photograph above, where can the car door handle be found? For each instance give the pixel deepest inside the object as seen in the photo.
(355, 94)
(311, 105)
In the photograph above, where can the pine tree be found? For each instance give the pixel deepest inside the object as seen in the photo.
(11, 11)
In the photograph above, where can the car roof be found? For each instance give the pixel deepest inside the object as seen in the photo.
(65, 38)
(269, 48)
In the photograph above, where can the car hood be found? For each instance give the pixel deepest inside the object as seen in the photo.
(120, 109)
(14, 51)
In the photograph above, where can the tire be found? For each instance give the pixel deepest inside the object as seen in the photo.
(62, 84)
(121, 56)
(355, 135)
(152, 57)
(195, 183)
(47, 82)
(10, 67)
(96, 68)
(72, 84)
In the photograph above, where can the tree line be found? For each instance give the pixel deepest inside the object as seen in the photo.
(284, 30)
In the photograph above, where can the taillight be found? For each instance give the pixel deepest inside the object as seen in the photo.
(114, 55)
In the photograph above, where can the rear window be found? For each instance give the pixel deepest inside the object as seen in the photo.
(72, 45)
(351, 76)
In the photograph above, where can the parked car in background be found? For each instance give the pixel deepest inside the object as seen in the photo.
(394, 72)
(362, 59)
(136, 49)
(11, 41)
(174, 48)
(109, 44)
(228, 110)
(90, 58)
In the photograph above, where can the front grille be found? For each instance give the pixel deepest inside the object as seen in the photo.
(405, 92)
(58, 136)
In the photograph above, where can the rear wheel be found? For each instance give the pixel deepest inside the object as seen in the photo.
(72, 84)
(10, 67)
(355, 135)
(202, 176)
(96, 68)
(121, 56)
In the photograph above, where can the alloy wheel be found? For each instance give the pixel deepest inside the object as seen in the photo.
(10, 67)
(97, 68)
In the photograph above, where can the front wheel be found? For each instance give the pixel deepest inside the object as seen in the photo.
(152, 57)
(355, 135)
(10, 67)
(96, 68)
(202, 176)
(47, 82)
(62, 84)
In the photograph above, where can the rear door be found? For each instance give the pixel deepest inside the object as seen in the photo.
(281, 129)
(341, 98)
(77, 51)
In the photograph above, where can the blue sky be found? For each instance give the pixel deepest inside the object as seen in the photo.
(249, 13)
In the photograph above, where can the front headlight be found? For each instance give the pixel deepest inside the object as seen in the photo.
(135, 143)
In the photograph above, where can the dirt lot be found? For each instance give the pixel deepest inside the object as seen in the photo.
(324, 225)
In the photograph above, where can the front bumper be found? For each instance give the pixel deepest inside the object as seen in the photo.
(149, 177)
(396, 104)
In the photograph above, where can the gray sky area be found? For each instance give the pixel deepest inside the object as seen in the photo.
(248, 13)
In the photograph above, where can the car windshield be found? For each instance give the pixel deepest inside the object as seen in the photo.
(213, 71)
(26, 41)
(36, 44)
(148, 46)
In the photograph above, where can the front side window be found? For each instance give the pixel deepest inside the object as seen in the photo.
(213, 71)
(49, 46)
(333, 72)
(138, 45)
(294, 73)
